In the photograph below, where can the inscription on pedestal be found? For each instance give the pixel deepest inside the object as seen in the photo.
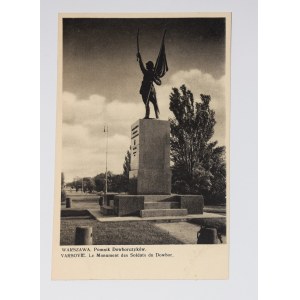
(150, 158)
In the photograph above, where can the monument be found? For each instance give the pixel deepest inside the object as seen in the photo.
(149, 193)
(150, 173)
(150, 139)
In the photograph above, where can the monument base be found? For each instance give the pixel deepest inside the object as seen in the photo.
(150, 182)
(155, 205)
(150, 158)
(128, 205)
(150, 178)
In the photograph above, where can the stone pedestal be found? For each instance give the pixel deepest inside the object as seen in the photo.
(150, 178)
(150, 158)
(193, 203)
(128, 205)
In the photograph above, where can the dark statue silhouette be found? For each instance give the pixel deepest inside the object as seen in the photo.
(152, 74)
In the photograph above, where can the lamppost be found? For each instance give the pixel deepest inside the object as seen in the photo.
(106, 132)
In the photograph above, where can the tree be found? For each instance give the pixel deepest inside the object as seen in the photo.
(119, 184)
(62, 191)
(126, 164)
(217, 194)
(126, 169)
(198, 164)
(88, 184)
(77, 184)
(116, 183)
(99, 182)
(69, 184)
(62, 179)
(110, 176)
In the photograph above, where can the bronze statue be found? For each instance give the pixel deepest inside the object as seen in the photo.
(152, 74)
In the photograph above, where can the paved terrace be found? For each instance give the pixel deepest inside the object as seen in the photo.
(101, 218)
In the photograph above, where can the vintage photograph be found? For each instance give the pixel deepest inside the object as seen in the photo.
(143, 117)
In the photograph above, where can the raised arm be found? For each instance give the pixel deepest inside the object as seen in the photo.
(141, 63)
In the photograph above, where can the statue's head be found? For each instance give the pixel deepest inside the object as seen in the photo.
(149, 65)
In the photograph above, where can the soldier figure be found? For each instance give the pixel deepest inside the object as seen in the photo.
(152, 74)
(147, 89)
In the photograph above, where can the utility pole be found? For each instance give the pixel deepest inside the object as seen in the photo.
(106, 131)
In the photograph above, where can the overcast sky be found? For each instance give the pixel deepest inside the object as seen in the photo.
(101, 81)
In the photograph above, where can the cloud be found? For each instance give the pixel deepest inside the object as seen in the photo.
(96, 111)
(84, 140)
(88, 159)
(83, 122)
(81, 111)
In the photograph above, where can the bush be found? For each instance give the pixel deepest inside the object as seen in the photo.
(180, 187)
(215, 198)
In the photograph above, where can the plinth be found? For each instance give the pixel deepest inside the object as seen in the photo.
(150, 158)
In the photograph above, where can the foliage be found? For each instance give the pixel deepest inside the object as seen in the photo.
(126, 164)
(198, 164)
(126, 170)
(100, 182)
(62, 179)
(88, 184)
(63, 195)
(77, 184)
(116, 183)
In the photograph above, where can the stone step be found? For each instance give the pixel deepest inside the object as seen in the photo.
(146, 213)
(107, 210)
(161, 205)
(161, 198)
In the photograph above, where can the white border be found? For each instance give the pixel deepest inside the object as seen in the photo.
(279, 160)
(243, 261)
(19, 151)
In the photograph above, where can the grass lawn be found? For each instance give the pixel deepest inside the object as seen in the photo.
(116, 233)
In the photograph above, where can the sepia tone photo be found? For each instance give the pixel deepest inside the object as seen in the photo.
(142, 147)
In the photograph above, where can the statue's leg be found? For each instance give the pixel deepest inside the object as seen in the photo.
(154, 101)
(147, 111)
(146, 106)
